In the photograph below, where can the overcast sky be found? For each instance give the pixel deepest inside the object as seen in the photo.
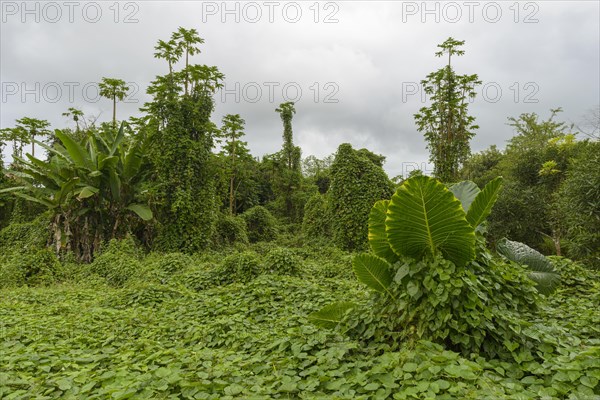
(352, 67)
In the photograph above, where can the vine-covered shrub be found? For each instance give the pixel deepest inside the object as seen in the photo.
(316, 224)
(357, 182)
(260, 224)
(25, 235)
(282, 261)
(33, 267)
(118, 262)
(229, 230)
(239, 267)
(433, 278)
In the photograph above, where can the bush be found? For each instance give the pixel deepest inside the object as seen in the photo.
(160, 268)
(282, 261)
(229, 230)
(36, 267)
(117, 262)
(25, 235)
(240, 267)
(316, 224)
(260, 224)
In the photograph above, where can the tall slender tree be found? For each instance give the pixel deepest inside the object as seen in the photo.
(289, 178)
(115, 89)
(446, 124)
(232, 131)
(186, 41)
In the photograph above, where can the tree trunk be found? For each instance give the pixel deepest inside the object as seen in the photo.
(114, 111)
(231, 189)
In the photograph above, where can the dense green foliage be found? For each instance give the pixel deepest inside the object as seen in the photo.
(439, 282)
(92, 188)
(146, 262)
(357, 182)
(229, 230)
(578, 206)
(316, 224)
(161, 336)
(183, 136)
(549, 199)
(261, 225)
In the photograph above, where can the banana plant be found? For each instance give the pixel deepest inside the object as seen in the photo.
(95, 183)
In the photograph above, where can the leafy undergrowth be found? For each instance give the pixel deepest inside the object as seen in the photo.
(179, 327)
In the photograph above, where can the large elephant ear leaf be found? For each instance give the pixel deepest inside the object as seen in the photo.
(466, 192)
(424, 217)
(373, 271)
(378, 240)
(330, 316)
(483, 203)
(541, 270)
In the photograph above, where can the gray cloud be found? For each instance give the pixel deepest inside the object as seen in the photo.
(366, 62)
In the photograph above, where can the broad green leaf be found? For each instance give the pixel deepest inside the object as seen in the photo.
(13, 189)
(373, 271)
(115, 184)
(330, 316)
(45, 202)
(108, 162)
(118, 139)
(66, 189)
(541, 270)
(87, 191)
(132, 162)
(466, 192)
(483, 203)
(142, 210)
(377, 237)
(76, 152)
(424, 217)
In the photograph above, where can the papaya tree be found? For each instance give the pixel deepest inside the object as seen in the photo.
(446, 123)
(114, 89)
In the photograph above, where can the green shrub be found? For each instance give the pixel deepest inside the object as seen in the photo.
(118, 262)
(161, 268)
(229, 230)
(316, 224)
(260, 224)
(432, 277)
(282, 261)
(240, 267)
(34, 267)
(25, 235)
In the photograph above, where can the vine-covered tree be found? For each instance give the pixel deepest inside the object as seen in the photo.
(114, 89)
(183, 136)
(356, 184)
(232, 131)
(288, 177)
(446, 124)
